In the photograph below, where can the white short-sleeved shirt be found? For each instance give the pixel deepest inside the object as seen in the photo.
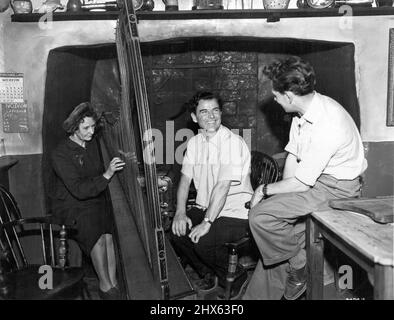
(326, 140)
(225, 156)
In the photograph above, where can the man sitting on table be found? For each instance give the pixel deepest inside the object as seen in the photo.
(325, 160)
(218, 162)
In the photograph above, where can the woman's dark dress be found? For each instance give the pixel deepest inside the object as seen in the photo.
(80, 193)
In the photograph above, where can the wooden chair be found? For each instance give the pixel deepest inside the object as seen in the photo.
(21, 280)
(264, 169)
(8, 209)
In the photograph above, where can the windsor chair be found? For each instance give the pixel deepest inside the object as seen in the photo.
(46, 278)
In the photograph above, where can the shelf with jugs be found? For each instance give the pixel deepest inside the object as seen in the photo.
(145, 6)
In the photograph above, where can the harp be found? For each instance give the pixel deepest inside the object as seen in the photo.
(147, 263)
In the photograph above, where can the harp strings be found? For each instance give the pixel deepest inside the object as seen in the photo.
(133, 55)
(147, 203)
(122, 143)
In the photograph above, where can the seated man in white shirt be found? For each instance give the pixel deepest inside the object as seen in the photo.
(325, 160)
(218, 162)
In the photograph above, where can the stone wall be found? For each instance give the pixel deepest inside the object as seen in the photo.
(174, 78)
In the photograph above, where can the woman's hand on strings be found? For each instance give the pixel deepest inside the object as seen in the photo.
(115, 165)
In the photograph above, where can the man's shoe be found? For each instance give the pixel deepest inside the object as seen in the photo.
(208, 283)
(237, 288)
(295, 283)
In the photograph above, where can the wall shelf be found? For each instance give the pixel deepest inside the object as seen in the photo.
(273, 15)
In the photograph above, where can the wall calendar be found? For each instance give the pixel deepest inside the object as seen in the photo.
(15, 117)
(11, 87)
(14, 108)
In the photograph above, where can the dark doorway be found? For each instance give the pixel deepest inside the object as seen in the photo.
(176, 68)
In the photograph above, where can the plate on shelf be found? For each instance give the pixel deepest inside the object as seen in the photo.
(320, 4)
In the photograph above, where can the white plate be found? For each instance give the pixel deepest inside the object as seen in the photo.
(320, 4)
(97, 10)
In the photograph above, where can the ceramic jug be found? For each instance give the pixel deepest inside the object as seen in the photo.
(148, 5)
(171, 5)
(22, 6)
(384, 3)
(207, 4)
(74, 5)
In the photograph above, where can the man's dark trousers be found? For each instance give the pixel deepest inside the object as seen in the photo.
(209, 255)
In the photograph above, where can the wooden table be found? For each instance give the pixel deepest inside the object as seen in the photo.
(368, 243)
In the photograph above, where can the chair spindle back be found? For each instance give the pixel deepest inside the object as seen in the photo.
(13, 228)
(264, 169)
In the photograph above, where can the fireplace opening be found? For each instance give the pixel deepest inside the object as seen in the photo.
(176, 68)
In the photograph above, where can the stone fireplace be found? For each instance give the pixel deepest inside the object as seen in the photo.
(176, 68)
(227, 55)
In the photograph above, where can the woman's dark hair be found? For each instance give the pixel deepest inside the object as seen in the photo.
(291, 74)
(81, 111)
(203, 95)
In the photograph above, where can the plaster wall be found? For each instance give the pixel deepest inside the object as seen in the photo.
(2, 18)
(25, 46)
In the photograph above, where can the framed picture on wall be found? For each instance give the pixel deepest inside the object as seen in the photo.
(390, 89)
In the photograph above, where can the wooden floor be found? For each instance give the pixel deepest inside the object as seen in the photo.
(362, 292)
(93, 286)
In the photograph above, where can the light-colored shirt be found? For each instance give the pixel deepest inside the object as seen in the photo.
(225, 156)
(326, 140)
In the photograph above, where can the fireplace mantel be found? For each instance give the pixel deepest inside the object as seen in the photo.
(270, 15)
